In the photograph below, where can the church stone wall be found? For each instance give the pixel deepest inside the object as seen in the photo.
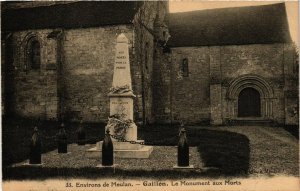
(77, 68)
(203, 95)
(87, 66)
(143, 46)
(265, 61)
(89, 56)
(162, 87)
(35, 91)
(291, 90)
(191, 94)
(145, 50)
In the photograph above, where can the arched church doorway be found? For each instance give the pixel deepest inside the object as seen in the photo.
(249, 103)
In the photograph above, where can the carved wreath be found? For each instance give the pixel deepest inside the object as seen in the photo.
(119, 89)
(119, 125)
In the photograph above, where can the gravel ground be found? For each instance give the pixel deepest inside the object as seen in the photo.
(162, 158)
(272, 151)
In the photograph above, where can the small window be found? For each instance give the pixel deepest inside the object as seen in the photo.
(185, 67)
(164, 34)
(33, 54)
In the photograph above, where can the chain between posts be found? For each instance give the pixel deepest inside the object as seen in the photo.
(120, 139)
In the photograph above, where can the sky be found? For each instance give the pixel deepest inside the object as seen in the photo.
(292, 9)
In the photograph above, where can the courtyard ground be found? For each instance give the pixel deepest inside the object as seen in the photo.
(225, 151)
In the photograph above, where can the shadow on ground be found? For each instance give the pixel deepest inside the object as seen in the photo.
(293, 130)
(223, 153)
(17, 132)
(43, 173)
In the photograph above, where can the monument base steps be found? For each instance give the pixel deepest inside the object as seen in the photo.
(122, 150)
(122, 145)
(101, 166)
(33, 165)
(183, 167)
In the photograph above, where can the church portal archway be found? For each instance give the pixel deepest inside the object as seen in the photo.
(250, 96)
(249, 103)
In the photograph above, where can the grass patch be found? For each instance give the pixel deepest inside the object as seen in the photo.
(227, 151)
(224, 151)
(293, 130)
(16, 136)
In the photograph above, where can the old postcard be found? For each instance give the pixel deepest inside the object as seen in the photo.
(150, 95)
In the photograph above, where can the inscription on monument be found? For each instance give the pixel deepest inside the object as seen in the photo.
(122, 69)
(122, 107)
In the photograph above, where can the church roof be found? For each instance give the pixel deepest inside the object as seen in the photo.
(230, 26)
(71, 15)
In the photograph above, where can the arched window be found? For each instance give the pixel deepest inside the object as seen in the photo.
(185, 67)
(33, 54)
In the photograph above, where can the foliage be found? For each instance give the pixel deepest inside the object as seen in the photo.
(17, 134)
(119, 89)
(119, 125)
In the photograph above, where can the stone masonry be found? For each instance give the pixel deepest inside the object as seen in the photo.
(76, 71)
(203, 95)
(77, 68)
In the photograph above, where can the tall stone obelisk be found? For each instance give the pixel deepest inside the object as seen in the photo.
(121, 109)
(122, 75)
(121, 96)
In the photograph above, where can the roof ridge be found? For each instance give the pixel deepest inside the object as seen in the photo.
(78, 14)
(227, 8)
(263, 24)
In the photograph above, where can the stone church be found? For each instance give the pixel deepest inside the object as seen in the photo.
(220, 66)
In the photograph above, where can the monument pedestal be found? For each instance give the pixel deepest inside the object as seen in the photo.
(122, 150)
(123, 103)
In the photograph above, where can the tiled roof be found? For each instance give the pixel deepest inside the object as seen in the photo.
(71, 15)
(230, 26)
